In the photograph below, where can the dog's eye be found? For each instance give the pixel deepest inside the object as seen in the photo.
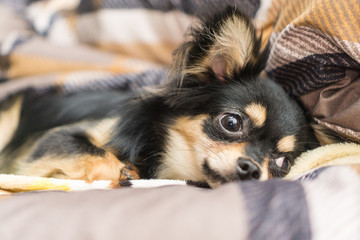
(231, 122)
(283, 163)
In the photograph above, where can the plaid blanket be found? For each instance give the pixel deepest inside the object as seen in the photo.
(64, 46)
(315, 56)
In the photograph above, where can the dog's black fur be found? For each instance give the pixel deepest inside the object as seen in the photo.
(215, 120)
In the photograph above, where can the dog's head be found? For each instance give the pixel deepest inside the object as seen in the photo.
(230, 123)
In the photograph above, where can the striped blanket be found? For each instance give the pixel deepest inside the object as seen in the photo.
(315, 55)
(65, 46)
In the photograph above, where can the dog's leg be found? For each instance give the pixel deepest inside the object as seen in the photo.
(73, 153)
(82, 166)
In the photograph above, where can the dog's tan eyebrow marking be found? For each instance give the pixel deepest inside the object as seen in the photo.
(286, 144)
(257, 113)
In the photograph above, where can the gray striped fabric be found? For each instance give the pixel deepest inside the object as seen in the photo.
(326, 207)
(273, 207)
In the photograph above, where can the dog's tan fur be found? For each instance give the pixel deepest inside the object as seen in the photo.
(286, 144)
(265, 172)
(85, 167)
(232, 49)
(102, 131)
(257, 114)
(181, 151)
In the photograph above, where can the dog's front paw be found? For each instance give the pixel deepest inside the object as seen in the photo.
(129, 172)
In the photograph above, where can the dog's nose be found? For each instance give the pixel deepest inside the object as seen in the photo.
(247, 169)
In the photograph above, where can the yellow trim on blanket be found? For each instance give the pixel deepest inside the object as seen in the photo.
(47, 184)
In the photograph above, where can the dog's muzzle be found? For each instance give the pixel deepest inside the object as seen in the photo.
(247, 169)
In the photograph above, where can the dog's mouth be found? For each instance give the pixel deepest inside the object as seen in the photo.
(212, 175)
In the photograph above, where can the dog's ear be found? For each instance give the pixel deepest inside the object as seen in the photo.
(224, 47)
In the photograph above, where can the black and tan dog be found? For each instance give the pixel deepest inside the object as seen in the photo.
(215, 120)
